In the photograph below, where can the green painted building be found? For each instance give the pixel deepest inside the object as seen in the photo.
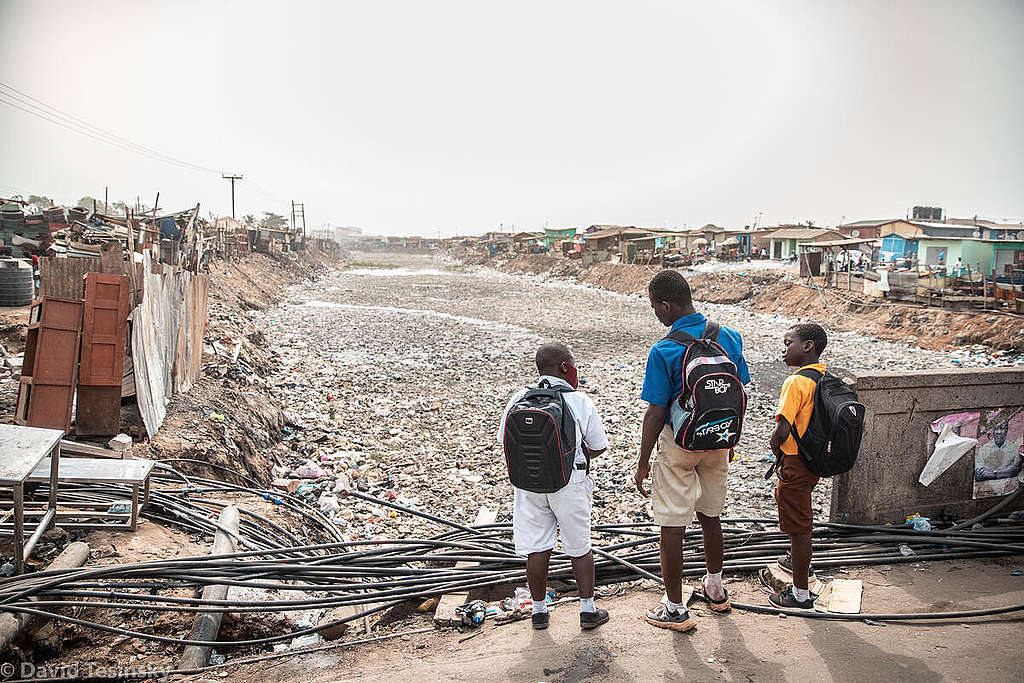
(979, 255)
(552, 235)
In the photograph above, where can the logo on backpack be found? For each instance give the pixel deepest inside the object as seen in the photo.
(708, 414)
(719, 386)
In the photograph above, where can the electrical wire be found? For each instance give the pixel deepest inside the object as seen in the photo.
(20, 100)
(372, 575)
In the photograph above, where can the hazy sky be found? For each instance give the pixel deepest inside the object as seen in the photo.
(419, 117)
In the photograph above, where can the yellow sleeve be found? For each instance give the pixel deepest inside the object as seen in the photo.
(792, 398)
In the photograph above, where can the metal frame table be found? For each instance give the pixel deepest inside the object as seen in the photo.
(21, 451)
(133, 473)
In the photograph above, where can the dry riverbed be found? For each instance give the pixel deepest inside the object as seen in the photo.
(395, 372)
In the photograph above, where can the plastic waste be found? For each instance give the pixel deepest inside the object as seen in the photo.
(906, 550)
(918, 522)
(521, 599)
(329, 503)
(120, 507)
(472, 613)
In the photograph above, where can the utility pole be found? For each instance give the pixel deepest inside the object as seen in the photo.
(299, 212)
(232, 178)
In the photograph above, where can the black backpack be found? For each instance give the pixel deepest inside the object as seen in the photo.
(830, 444)
(540, 440)
(708, 415)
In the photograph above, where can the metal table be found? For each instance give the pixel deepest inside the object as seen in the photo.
(133, 473)
(21, 451)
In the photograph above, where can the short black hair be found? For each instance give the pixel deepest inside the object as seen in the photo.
(812, 332)
(670, 285)
(549, 356)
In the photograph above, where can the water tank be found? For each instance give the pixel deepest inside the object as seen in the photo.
(16, 282)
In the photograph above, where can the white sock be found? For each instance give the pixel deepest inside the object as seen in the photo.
(801, 594)
(676, 606)
(714, 580)
(540, 607)
(587, 605)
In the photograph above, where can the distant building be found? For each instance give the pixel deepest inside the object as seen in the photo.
(555, 235)
(975, 254)
(609, 238)
(785, 242)
(864, 229)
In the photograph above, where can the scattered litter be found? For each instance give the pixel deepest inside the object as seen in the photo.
(918, 522)
(472, 613)
(906, 550)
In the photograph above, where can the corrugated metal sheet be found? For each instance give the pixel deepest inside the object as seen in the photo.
(167, 338)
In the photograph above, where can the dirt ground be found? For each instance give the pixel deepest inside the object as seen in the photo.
(741, 646)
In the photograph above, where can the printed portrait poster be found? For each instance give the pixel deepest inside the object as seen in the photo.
(999, 455)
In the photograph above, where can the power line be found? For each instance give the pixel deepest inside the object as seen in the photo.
(38, 108)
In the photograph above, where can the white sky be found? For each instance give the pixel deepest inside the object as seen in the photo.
(425, 117)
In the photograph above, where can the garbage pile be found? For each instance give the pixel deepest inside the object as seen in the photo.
(394, 381)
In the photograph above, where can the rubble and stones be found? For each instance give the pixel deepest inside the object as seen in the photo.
(394, 376)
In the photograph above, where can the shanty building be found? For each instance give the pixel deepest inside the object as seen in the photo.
(784, 243)
(985, 256)
(553, 236)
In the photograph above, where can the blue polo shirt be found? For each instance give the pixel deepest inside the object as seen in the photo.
(663, 380)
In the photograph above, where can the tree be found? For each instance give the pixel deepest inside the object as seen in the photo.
(273, 221)
(249, 220)
(88, 202)
(40, 201)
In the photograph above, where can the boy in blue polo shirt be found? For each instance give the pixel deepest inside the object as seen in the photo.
(684, 481)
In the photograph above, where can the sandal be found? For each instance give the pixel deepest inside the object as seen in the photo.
(724, 605)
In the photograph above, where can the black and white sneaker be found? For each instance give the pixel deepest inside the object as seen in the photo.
(540, 620)
(787, 600)
(786, 562)
(662, 617)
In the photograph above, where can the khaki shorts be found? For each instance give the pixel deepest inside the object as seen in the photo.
(687, 481)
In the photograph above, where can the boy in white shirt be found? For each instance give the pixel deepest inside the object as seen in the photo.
(538, 517)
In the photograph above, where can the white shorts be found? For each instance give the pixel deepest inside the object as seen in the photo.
(538, 517)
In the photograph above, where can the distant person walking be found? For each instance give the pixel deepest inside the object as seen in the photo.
(684, 482)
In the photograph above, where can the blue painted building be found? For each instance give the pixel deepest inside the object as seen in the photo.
(896, 246)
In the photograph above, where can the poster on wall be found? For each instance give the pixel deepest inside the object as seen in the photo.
(999, 455)
(950, 438)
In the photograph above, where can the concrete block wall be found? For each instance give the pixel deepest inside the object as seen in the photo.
(883, 485)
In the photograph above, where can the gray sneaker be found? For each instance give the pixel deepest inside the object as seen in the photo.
(662, 617)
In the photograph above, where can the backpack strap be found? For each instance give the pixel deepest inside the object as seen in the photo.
(815, 376)
(680, 337)
(711, 331)
(811, 374)
(545, 384)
